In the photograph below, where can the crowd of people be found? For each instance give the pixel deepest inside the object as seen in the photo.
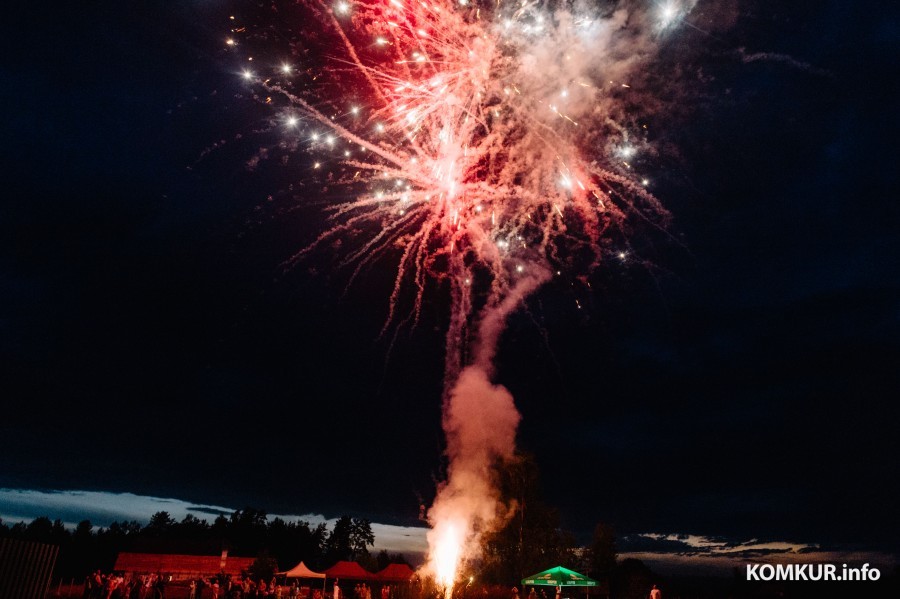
(117, 586)
(153, 586)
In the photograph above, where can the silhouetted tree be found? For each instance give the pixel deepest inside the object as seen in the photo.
(385, 559)
(602, 552)
(361, 537)
(531, 539)
(40, 530)
(632, 579)
(247, 530)
(263, 567)
(160, 525)
(349, 539)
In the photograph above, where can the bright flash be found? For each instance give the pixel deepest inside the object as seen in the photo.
(446, 555)
(668, 13)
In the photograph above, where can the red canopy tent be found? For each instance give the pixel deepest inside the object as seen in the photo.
(395, 573)
(348, 571)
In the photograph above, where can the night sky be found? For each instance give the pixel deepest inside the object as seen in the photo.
(738, 382)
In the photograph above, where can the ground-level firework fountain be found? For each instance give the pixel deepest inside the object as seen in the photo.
(489, 146)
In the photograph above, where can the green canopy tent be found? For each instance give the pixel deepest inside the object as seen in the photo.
(559, 577)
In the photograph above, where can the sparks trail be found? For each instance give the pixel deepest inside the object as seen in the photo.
(491, 149)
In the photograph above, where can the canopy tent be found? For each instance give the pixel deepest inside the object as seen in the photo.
(301, 571)
(559, 577)
(395, 573)
(348, 570)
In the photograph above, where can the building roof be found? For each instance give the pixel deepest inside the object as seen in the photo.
(168, 563)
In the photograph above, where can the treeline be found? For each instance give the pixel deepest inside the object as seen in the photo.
(247, 532)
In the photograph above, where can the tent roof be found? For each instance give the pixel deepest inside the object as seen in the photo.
(559, 576)
(396, 573)
(350, 570)
(301, 571)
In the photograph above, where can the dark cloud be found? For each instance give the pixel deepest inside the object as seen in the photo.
(207, 510)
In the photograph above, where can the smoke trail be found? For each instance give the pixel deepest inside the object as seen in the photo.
(480, 421)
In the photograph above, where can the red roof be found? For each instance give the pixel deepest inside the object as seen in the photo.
(350, 570)
(180, 564)
(396, 573)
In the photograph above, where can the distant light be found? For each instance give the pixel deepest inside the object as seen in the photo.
(342, 8)
(229, 42)
(520, 268)
(355, 110)
(317, 165)
(248, 75)
(286, 69)
(292, 121)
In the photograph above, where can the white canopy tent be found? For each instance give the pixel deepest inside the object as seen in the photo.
(301, 571)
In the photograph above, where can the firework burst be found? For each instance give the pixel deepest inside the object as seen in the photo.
(489, 146)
